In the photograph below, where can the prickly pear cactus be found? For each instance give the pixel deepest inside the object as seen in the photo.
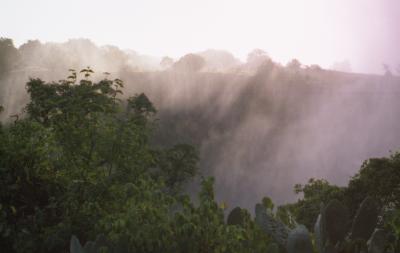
(318, 232)
(365, 220)
(299, 241)
(100, 245)
(89, 247)
(376, 244)
(336, 219)
(75, 246)
(273, 248)
(271, 226)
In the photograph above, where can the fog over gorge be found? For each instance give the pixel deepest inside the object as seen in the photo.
(260, 126)
(212, 126)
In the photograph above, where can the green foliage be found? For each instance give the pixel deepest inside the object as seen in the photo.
(315, 192)
(143, 220)
(169, 226)
(267, 202)
(28, 183)
(66, 168)
(284, 214)
(203, 229)
(274, 228)
(206, 230)
(177, 164)
(141, 105)
(80, 163)
(378, 178)
(392, 226)
(299, 241)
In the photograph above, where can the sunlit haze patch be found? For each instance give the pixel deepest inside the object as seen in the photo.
(364, 33)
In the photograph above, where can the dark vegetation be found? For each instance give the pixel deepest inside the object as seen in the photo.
(80, 163)
(87, 159)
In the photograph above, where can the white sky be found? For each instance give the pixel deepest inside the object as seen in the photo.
(365, 32)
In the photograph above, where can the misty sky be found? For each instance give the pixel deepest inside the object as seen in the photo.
(364, 32)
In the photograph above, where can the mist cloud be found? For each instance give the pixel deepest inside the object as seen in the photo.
(260, 127)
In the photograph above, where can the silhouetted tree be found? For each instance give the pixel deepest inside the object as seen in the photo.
(8, 55)
(166, 62)
(257, 57)
(294, 64)
(189, 63)
(29, 50)
(219, 60)
(315, 67)
(388, 71)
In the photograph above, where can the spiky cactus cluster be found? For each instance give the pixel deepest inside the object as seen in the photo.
(299, 240)
(365, 220)
(330, 230)
(296, 240)
(271, 226)
(100, 245)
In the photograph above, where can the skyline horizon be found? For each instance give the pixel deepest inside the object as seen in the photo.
(242, 59)
(363, 32)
